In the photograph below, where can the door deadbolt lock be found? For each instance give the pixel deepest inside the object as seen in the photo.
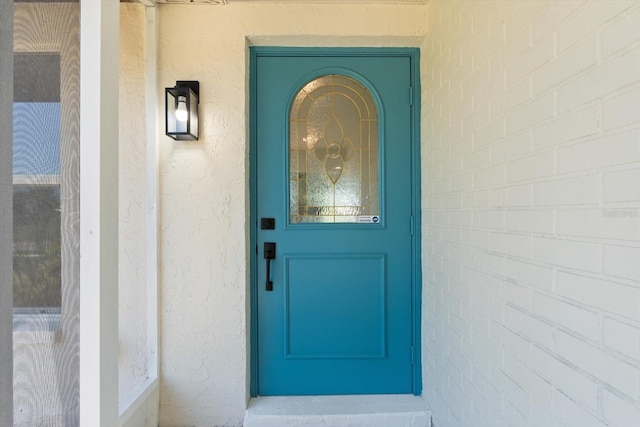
(267, 223)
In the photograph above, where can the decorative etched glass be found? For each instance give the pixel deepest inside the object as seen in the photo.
(333, 153)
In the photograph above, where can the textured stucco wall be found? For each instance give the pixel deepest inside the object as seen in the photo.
(204, 187)
(132, 202)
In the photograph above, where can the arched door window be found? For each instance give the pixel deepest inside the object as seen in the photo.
(334, 155)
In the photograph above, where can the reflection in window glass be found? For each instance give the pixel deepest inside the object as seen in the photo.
(36, 247)
(36, 139)
(37, 282)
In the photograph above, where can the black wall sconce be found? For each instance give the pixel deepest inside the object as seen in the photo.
(181, 110)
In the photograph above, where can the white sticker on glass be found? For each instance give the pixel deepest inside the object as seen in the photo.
(369, 219)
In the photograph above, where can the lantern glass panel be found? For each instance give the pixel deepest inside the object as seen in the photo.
(192, 108)
(171, 107)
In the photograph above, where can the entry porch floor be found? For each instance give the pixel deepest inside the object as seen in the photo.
(393, 410)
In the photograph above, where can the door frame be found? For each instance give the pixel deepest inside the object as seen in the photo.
(416, 242)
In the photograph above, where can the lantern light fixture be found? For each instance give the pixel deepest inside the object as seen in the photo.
(181, 110)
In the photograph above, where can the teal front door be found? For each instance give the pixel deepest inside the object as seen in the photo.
(333, 222)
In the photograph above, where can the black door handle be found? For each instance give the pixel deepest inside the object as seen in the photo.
(269, 254)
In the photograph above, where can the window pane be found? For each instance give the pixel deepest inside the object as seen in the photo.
(36, 139)
(36, 246)
(37, 281)
(333, 158)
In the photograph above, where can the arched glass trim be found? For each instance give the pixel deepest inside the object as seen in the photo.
(333, 153)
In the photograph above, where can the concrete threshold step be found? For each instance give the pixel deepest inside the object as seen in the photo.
(389, 410)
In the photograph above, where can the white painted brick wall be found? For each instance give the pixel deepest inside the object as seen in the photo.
(531, 202)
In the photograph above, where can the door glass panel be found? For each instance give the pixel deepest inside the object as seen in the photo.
(333, 153)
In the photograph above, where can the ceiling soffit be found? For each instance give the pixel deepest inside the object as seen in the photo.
(223, 2)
